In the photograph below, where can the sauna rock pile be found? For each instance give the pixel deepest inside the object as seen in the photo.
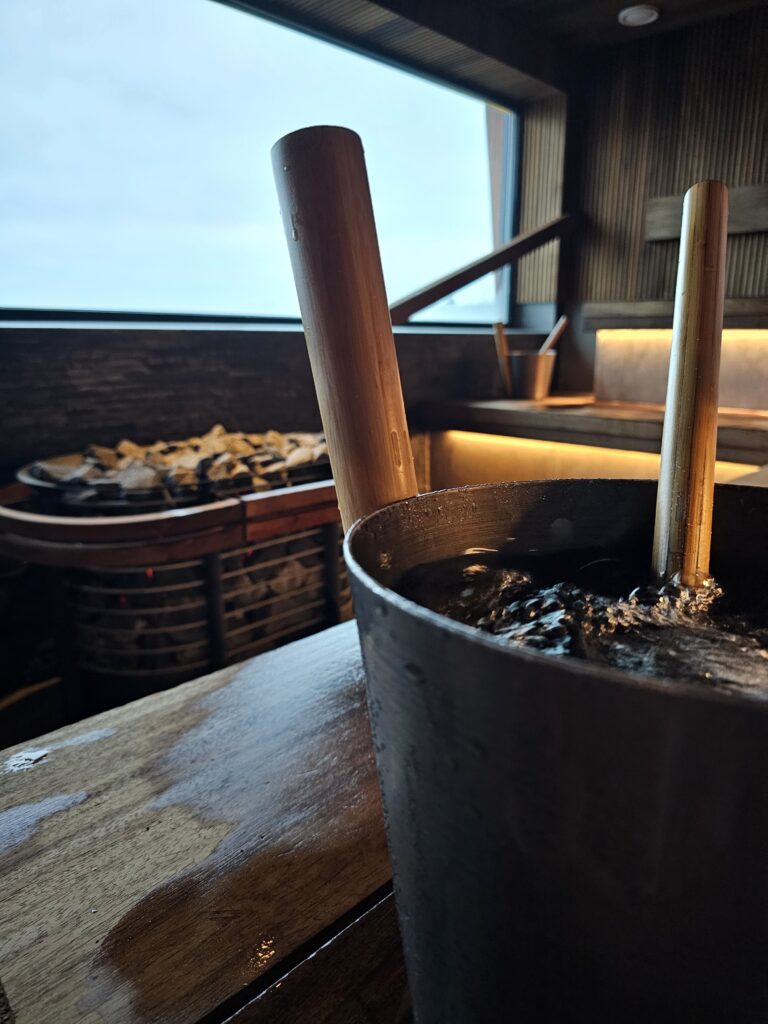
(220, 457)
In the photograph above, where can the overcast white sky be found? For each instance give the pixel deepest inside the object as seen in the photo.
(135, 171)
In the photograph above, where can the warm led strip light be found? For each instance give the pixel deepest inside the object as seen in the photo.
(464, 457)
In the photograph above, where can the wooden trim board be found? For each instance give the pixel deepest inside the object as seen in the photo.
(739, 312)
(748, 213)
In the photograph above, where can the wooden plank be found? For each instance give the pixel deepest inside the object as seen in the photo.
(541, 194)
(263, 529)
(268, 504)
(159, 537)
(297, 508)
(748, 213)
(359, 976)
(144, 527)
(739, 312)
(77, 555)
(159, 857)
(513, 250)
(740, 438)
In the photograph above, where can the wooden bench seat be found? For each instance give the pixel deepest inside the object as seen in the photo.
(174, 859)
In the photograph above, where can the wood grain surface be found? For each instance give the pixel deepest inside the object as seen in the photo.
(749, 312)
(328, 220)
(542, 170)
(651, 118)
(683, 532)
(502, 355)
(161, 537)
(357, 978)
(747, 213)
(740, 437)
(158, 858)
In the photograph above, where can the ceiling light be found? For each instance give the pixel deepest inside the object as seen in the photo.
(638, 15)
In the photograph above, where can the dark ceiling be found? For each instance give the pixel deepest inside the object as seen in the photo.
(510, 51)
(595, 21)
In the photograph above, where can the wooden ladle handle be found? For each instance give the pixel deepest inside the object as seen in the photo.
(328, 219)
(683, 531)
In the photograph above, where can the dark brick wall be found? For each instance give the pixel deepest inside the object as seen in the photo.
(63, 387)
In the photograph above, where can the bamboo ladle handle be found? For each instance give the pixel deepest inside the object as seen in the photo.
(683, 529)
(554, 336)
(328, 219)
(502, 356)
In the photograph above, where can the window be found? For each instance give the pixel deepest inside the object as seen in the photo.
(135, 173)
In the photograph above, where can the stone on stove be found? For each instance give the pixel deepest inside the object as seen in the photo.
(217, 457)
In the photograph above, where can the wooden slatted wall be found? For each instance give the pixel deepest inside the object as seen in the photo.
(655, 117)
(541, 184)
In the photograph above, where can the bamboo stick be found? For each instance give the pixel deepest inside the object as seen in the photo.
(554, 336)
(502, 354)
(683, 528)
(328, 219)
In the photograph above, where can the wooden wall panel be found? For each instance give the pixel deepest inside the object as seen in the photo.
(655, 117)
(541, 186)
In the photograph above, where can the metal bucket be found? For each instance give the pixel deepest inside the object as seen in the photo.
(568, 842)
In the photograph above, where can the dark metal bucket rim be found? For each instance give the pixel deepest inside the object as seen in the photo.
(584, 670)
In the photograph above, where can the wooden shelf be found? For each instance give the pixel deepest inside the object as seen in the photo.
(578, 419)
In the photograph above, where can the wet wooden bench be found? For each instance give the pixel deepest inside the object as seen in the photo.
(212, 853)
